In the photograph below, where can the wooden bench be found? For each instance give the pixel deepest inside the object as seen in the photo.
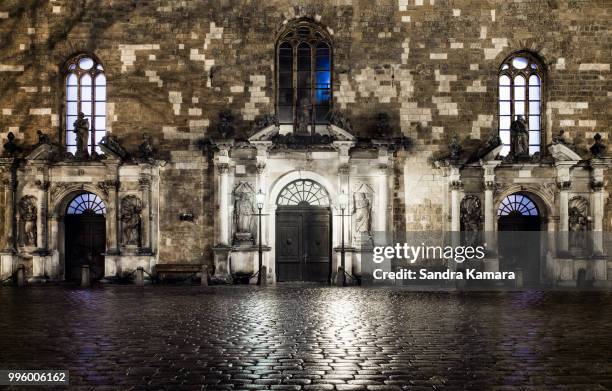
(169, 269)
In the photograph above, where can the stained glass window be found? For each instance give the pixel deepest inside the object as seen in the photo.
(86, 203)
(520, 87)
(517, 205)
(303, 192)
(304, 82)
(85, 92)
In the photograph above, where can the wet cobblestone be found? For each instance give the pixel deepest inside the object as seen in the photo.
(309, 338)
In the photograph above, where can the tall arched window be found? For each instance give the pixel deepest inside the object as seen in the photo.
(304, 88)
(520, 91)
(85, 92)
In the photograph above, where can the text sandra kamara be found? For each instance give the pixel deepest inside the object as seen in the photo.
(424, 274)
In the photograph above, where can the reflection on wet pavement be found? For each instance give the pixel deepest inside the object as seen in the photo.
(300, 337)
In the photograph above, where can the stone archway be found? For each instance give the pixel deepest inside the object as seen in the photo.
(519, 222)
(319, 216)
(84, 236)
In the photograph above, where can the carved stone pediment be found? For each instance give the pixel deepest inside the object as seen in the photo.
(562, 153)
(48, 152)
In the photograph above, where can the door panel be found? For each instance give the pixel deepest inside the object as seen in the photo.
(85, 244)
(289, 247)
(519, 244)
(303, 244)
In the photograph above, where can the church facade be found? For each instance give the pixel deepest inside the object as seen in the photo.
(174, 135)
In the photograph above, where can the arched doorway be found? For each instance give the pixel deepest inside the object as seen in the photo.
(303, 232)
(85, 236)
(519, 221)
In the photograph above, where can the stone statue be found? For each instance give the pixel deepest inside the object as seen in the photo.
(243, 214)
(578, 210)
(267, 120)
(225, 128)
(10, 148)
(559, 138)
(519, 137)
(471, 218)
(131, 209)
(81, 128)
(383, 125)
(43, 138)
(598, 149)
(112, 143)
(362, 217)
(455, 148)
(303, 117)
(27, 217)
(146, 148)
(338, 119)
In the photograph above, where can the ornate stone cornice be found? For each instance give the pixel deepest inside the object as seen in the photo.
(222, 168)
(43, 185)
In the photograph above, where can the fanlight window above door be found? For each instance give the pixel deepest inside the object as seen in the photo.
(86, 203)
(517, 205)
(303, 192)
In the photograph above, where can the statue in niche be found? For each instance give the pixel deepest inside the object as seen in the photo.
(27, 217)
(519, 138)
(362, 217)
(81, 129)
(578, 220)
(471, 218)
(243, 214)
(131, 209)
(304, 117)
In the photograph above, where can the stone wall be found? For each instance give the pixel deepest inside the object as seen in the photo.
(172, 66)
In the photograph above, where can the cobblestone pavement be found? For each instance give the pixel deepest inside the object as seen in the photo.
(309, 338)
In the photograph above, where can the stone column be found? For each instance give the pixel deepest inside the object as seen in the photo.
(382, 189)
(112, 214)
(597, 203)
(44, 219)
(224, 218)
(563, 244)
(145, 189)
(456, 187)
(490, 214)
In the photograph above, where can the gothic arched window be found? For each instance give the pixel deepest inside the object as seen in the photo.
(304, 82)
(520, 94)
(85, 92)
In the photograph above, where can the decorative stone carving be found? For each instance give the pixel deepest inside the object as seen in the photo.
(28, 216)
(564, 185)
(111, 143)
(597, 185)
(493, 141)
(456, 185)
(106, 186)
(225, 127)
(10, 148)
(519, 138)
(297, 141)
(598, 149)
(243, 213)
(338, 119)
(471, 218)
(57, 188)
(131, 209)
(81, 129)
(362, 217)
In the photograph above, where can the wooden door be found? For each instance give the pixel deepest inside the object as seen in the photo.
(303, 244)
(85, 245)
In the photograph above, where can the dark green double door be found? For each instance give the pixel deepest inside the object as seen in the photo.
(303, 244)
